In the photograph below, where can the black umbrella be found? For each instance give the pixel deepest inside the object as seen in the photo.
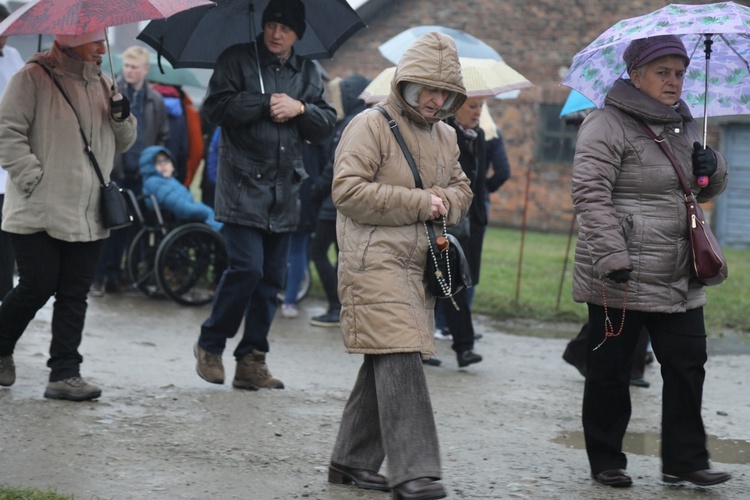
(195, 38)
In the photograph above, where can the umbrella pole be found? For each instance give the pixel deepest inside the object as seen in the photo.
(707, 43)
(111, 67)
(255, 43)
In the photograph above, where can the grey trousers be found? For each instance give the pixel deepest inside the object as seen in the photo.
(389, 414)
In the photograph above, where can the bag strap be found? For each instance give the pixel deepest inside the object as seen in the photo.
(400, 139)
(662, 144)
(413, 166)
(88, 150)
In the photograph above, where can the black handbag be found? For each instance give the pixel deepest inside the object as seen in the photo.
(447, 270)
(114, 208)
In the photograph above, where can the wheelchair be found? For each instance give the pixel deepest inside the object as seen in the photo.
(183, 261)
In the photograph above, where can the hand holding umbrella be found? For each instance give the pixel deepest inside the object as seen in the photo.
(704, 163)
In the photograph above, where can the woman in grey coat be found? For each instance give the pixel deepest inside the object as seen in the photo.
(633, 265)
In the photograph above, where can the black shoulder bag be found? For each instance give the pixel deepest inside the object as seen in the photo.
(447, 270)
(114, 207)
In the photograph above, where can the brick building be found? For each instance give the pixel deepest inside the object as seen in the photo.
(539, 39)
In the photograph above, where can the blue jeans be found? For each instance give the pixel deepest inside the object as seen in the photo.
(297, 265)
(247, 289)
(48, 267)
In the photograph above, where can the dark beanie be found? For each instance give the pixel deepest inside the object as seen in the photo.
(644, 50)
(288, 12)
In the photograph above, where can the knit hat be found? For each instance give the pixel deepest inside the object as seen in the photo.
(287, 12)
(76, 40)
(644, 50)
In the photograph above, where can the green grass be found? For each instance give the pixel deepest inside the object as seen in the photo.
(9, 493)
(541, 292)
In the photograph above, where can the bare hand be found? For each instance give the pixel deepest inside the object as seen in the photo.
(284, 108)
(438, 208)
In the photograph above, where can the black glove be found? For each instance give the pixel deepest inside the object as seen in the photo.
(119, 107)
(704, 160)
(620, 276)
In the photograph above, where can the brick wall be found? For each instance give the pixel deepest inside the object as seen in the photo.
(536, 37)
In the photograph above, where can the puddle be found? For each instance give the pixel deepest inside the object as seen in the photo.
(727, 451)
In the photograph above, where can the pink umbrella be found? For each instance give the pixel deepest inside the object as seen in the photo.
(75, 17)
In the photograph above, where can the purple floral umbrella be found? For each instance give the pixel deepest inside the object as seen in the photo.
(721, 72)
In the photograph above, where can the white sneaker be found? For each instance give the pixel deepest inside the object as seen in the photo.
(443, 335)
(289, 311)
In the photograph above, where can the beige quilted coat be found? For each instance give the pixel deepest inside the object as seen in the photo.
(382, 240)
(629, 204)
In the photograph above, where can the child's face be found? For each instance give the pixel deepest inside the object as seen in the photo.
(164, 165)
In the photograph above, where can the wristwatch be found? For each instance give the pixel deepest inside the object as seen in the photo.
(302, 108)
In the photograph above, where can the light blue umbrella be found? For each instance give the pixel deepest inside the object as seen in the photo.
(467, 45)
(576, 102)
(170, 76)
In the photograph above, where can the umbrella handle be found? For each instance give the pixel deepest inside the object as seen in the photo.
(702, 180)
(113, 89)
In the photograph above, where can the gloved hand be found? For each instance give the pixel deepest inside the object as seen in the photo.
(704, 161)
(620, 275)
(119, 107)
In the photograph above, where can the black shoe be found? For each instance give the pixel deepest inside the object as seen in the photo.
(617, 478)
(361, 478)
(640, 382)
(467, 358)
(424, 488)
(329, 319)
(432, 362)
(705, 477)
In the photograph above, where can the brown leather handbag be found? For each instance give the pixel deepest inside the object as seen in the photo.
(709, 263)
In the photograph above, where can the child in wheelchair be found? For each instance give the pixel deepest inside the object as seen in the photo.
(157, 168)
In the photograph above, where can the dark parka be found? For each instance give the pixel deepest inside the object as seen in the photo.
(260, 161)
(630, 207)
(382, 241)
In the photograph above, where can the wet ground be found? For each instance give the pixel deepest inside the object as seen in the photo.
(509, 427)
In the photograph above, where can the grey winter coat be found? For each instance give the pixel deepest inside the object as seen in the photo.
(382, 241)
(630, 207)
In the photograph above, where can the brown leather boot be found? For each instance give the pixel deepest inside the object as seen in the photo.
(252, 373)
(208, 365)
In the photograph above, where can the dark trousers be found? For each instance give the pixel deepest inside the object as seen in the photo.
(459, 321)
(248, 289)
(7, 259)
(48, 267)
(679, 343)
(575, 351)
(389, 413)
(324, 237)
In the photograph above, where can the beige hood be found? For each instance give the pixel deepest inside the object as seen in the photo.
(432, 60)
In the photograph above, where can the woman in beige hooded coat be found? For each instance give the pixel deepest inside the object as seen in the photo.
(387, 312)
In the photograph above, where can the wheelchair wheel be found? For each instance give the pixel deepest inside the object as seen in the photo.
(189, 264)
(304, 287)
(141, 259)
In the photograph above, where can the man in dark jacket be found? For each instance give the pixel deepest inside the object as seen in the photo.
(268, 101)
